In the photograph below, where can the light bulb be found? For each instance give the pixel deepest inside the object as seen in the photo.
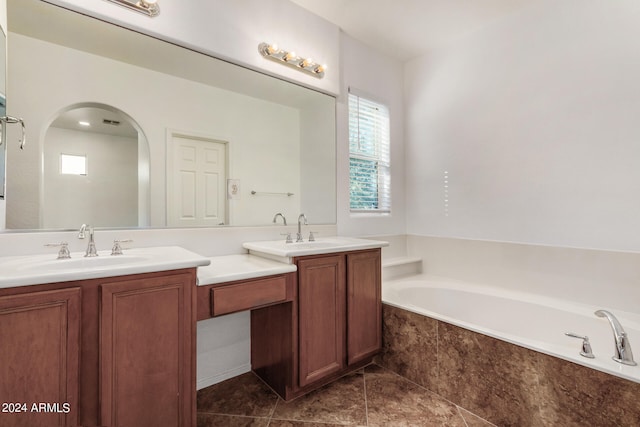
(320, 69)
(305, 63)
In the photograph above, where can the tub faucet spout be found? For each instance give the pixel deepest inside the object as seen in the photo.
(623, 353)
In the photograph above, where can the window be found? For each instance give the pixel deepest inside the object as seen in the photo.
(369, 166)
(73, 165)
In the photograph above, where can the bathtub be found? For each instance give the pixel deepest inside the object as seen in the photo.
(523, 319)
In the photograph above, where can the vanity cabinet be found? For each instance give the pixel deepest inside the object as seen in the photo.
(332, 326)
(321, 317)
(364, 306)
(120, 351)
(146, 348)
(39, 358)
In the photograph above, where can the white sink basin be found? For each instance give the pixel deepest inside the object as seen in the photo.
(279, 248)
(53, 265)
(37, 269)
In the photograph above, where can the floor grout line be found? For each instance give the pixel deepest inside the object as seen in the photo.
(464, 420)
(270, 418)
(364, 386)
(428, 390)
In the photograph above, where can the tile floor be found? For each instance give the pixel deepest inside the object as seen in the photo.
(372, 396)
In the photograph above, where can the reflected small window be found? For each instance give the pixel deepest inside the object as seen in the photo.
(71, 164)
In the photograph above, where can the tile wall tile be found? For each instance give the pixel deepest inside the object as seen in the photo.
(491, 378)
(410, 345)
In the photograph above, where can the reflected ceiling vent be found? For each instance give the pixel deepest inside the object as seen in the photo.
(111, 122)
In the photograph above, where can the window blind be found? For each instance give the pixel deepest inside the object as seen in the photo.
(369, 156)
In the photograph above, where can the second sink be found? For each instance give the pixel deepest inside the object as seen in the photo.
(280, 248)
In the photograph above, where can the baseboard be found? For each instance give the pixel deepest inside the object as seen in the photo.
(218, 378)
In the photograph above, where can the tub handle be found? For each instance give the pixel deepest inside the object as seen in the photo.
(586, 346)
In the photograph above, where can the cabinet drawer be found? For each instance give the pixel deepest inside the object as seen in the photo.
(248, 295)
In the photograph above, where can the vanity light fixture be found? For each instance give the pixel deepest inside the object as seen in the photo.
(83, 123)
(147, 7)
(271, 51)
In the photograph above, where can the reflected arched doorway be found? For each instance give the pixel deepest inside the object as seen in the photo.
(95, 169)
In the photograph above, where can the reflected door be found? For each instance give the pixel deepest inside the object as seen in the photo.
(196, 182)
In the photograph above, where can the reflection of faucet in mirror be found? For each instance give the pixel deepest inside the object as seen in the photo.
(91, 246)
(299, 236)
(275, 217)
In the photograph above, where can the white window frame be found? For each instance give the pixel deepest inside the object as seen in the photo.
(378, 152)
(70, 169)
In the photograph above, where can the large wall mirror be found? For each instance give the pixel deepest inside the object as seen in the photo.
(125, 130)
(3, 112)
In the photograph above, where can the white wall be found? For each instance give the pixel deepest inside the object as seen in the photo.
(535, 119)
(233, 29)
(380, 77)
(3, 15)
(107, 194)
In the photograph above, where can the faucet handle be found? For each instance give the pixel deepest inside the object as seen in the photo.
(117, 249)
(586, 346)
(312, 237)
(63, 253)
(288, 238)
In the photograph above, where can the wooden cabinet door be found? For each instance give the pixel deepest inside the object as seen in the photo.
(39, 352)
(147, 353)
(364, 318)
(322, 313)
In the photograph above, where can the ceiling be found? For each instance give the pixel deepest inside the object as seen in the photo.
(117, 123)
(405, 29)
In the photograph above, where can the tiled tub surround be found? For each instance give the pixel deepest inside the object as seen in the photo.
(526, 319)
(504, 383)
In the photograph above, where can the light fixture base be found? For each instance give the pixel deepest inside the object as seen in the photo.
(149, 8)
(272, 52)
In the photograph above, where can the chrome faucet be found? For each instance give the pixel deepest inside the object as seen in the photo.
(91, 246)
(299, 235)
(623, 353)
(275, 217)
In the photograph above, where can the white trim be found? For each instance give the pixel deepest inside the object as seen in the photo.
(367, 95)
(218, 378)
